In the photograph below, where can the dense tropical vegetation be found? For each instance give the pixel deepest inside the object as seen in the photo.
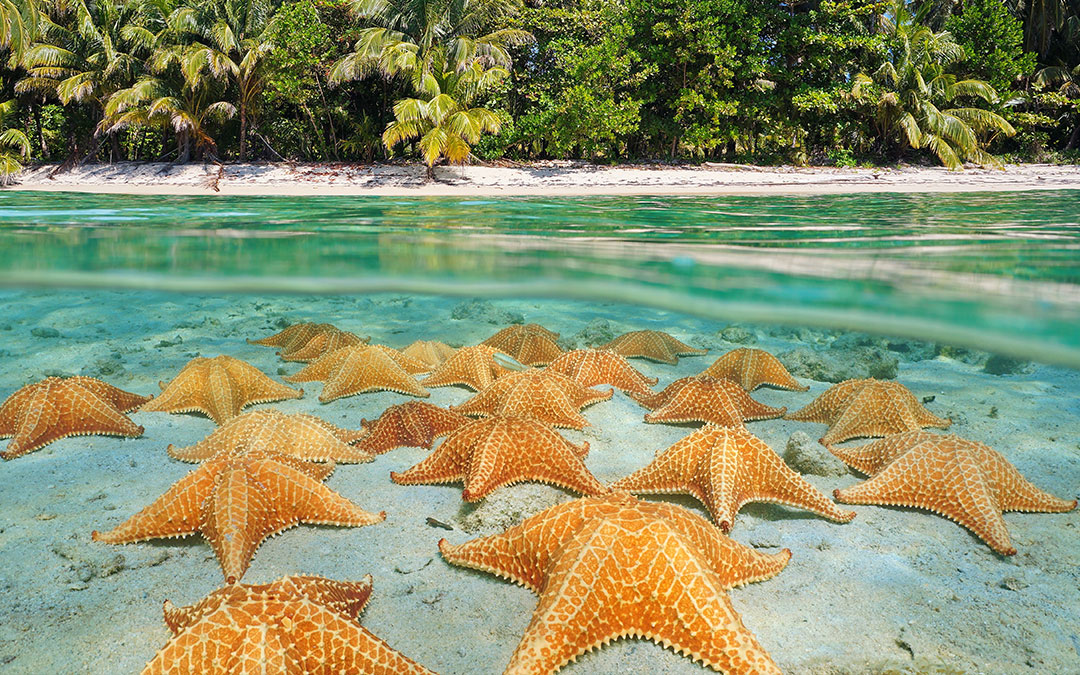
(804, 81)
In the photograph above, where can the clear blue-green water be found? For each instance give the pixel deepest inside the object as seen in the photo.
(916, 288)
(999, 271)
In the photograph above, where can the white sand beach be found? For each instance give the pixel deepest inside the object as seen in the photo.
(894, 591)
(563, 178)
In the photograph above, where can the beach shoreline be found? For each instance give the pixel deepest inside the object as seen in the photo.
(562, 178)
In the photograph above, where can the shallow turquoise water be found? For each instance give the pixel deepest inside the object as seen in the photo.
(1000, 271)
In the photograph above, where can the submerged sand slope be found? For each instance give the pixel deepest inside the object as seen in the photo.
(561, 178)
(895, 589)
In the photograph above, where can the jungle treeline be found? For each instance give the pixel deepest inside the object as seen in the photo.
(835, 82)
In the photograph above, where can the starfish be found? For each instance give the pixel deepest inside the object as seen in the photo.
(297, 624)
(531, 344)
(414, 424)
(652, 345)
(301, 436)
(219, 388)
(431, 352)
(863, 408)
(359, 369)
(725, 468)
(701, 398)
(547, 396)
(590, 367)
(295, 336)
(490, 453)
(237, 502)
(323, 343)
(614, 566)
(56, 408)
(965, 481)
(474, 367)
(752, 368)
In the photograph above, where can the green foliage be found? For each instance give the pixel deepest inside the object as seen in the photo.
(993, 42)
(14, 145)
(910, 89)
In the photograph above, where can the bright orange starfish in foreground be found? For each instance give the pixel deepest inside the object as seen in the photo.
(652, 345)
(965, 481)
(237, 502)
(219, 388)
(752, 368)
(614, 566)
(725, 468)
(297, 624)
(864, 408)
(490, 453)
(701, 398)
(56, 408)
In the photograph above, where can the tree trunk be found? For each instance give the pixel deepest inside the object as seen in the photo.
(40, 130)
(243, 130)
(184, 148)
(430, 175)
(1074, 140)
(114, 147)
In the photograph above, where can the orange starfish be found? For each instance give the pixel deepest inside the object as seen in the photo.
(965, 481)
(301, 436)
(488, 454)
(323, 343)
(862, 408)
(652, 345)
(531, 344)
(547, 396)
(362, 368)
(219, 388)
(701, 398)
(56, 408)
(725, 468)
(295, 336)
(752, 368)
(297, 624)
(614, 566)
(414, 424)
(590, 367)
(474, 367)
(237, 502)
(431, 352)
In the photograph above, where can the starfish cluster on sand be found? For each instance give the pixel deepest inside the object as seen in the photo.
(605, 566)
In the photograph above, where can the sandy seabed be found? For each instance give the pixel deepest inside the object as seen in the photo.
(895, 590)
(562, 178)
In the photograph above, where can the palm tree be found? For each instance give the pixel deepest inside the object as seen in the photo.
(440, 48)
(912, 86)
(445, 123)
(1063, 73)
(233, 39)
(177, 95)
(18, 27)
(81, 57)
(14, 145)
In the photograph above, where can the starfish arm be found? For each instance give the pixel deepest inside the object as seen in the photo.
(497, 554)
(321, 369)
(255, 386)
(124, 401)
(828, 405)
(449, 462)
(371, 371)
(205, 646)
(751, 410)
(861, 419)
(1015, 493)
(236, 520)
(306, 437)
(183, 393)
(554, 408)
(351, 648)
(871, 457)
(774, 481)
(302, 499)
(12, 408)
(344, 597)
(176, 513)
(671, 472)
(229, 437)
(606, 585)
